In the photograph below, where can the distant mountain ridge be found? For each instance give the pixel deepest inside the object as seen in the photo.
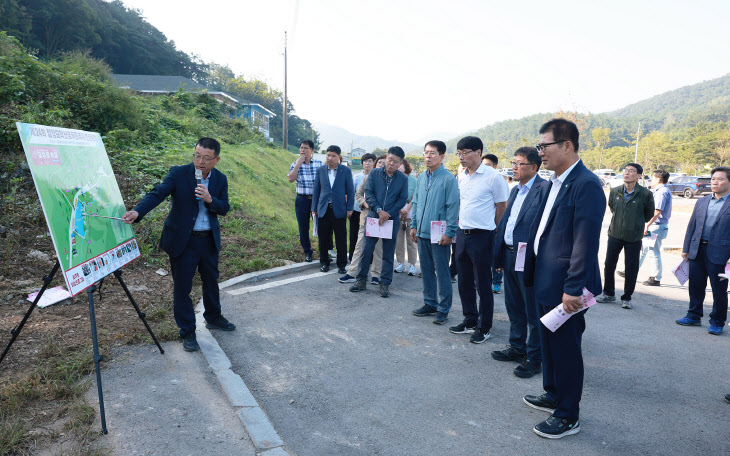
(707, 101)
(331, 134)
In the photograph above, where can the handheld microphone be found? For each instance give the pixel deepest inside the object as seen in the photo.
(198, 179)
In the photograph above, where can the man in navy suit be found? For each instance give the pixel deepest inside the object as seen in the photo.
(561, 260)
(707, 247)
(514, 230)
(191, 235)
(332, 203)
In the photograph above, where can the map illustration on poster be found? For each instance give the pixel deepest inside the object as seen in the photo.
(81, 201)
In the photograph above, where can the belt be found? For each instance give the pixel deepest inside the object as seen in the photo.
(203, 234)
(476, 231)
(703, 242)
(304, 196)
(509, 247)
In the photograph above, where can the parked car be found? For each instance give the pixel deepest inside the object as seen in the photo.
(689, 186)
(605, 175)
(506, 172)
(545, 174)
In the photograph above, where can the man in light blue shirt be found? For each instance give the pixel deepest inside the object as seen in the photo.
(657, 225)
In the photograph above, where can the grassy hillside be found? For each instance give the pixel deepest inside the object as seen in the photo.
(43, 391)
(261, 230)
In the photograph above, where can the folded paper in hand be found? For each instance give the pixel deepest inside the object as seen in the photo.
(556, 317)
(373, 229)
(681, 272)
(520, 260)
(438, 229)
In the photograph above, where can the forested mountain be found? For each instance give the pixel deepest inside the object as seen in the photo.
(109, 30)
(686, 129)
(125, 41)
(679, 103)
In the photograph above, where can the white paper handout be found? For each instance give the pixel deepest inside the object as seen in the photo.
(372, 229)
(520, 260)
(438, 229)
(556, 317)
(50, 296)
(681, 272)
(649, 241)
(726, 274)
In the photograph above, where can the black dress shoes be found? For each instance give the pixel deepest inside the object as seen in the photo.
(308, 258)
(324, 268)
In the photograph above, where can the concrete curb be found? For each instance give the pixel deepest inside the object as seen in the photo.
(254, 419)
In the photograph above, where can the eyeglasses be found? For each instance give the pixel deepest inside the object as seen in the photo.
(197, 157)
(464, 154)
(519, 164)
(540, 147)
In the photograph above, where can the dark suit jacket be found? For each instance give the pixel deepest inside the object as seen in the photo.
(180, 183)
(343, 192)
(718, 247)
(527, 214)
(567, 259)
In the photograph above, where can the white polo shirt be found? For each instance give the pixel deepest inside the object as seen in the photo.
(478, 193)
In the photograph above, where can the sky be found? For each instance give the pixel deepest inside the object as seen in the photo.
(405, 70)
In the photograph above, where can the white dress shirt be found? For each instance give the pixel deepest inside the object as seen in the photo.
(522, 191)
(478, 193)
(557, 182)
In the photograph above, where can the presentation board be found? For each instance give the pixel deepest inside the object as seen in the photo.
(81, 202)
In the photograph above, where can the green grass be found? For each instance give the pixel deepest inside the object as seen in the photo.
(260, 231)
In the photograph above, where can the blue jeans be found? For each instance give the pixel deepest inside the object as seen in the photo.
(521, 309)
(496, 277)
(656, 250)
(303, 209)
(436, 277)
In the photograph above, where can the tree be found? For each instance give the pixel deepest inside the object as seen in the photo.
(721, 150)
(601, 138)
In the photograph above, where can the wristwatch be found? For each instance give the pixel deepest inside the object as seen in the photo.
(377, 209)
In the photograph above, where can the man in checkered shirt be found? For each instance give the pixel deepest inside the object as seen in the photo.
(303, 172)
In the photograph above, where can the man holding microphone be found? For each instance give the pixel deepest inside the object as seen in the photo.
(191, 235)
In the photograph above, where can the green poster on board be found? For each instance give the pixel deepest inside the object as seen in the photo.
(81, 201)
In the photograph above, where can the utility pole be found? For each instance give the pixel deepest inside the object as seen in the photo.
(636, 154)
(285, 121)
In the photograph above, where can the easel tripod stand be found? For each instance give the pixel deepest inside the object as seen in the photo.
(97, 357)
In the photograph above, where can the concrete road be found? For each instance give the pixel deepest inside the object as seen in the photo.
(354, 374)
(169, 404)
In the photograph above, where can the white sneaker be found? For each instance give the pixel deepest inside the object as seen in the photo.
(412, 270)
(400, 268)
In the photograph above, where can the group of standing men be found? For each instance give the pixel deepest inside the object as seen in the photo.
(543, 235)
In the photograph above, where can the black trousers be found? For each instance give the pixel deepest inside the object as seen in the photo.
(200, 254)
(632, 253)
(354, 229)
(474, 264)
(327, 225)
